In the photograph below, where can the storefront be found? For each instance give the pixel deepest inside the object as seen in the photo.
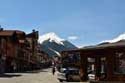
(107, 61)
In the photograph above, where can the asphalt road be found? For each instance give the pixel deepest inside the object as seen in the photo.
(41, 76)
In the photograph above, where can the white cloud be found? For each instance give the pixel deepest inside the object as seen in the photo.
(72, 37)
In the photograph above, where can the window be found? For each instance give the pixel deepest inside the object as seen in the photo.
(119, 63)
(72, 59)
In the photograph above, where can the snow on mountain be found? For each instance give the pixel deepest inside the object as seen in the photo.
(53, 45)
(55, 51)
(52, 37)
(120, 37)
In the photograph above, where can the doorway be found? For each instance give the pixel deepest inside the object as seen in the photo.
(97, 68)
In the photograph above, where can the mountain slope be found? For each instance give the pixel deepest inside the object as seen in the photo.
(53, 45)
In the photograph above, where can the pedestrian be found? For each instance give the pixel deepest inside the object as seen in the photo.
(53, 70)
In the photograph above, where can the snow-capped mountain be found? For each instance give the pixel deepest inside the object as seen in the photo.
(119, 38)
(53, 44)
(52, 37)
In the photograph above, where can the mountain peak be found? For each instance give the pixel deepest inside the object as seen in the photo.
(52, 37)
(119, 38)
(53, 45)
(51, 34)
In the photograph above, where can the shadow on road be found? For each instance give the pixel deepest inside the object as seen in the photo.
(33, 71)
(9, 75)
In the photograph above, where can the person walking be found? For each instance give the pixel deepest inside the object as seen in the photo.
(53, 70)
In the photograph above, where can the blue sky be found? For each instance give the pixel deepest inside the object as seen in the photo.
(83, 22)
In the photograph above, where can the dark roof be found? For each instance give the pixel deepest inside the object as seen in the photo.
(10, 32)
(116, 45)
(32, 35)
(17, 31)
(106, 45)
(6, 33)
(29, 35)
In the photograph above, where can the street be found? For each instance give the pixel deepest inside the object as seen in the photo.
(41, 76)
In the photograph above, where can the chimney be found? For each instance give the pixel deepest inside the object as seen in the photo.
(33, 30)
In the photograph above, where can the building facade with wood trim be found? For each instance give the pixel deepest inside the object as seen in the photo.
(18, 51)
(107, 59)
(9, 45)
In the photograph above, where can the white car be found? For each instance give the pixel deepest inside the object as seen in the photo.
(61, 75)
(68, 74)
(91, 76)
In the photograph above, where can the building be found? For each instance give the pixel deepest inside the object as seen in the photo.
(107, 60)
(19, 51)
(9, 44)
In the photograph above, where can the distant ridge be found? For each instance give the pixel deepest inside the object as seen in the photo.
(119, 38)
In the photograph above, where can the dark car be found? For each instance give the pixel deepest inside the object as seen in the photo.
(72, 74)
(68, 74)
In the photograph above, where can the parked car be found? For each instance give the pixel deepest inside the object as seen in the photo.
(61, 75)
(91, 75)
(68, 74)
(73, 74)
